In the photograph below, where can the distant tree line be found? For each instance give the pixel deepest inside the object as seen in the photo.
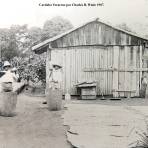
(17, 40)
(16, 43)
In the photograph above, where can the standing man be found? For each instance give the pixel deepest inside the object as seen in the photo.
(8, 96)
(54, 92)
(55, 78)
(6, 81)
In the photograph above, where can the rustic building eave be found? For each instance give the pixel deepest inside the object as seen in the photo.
(42, 45)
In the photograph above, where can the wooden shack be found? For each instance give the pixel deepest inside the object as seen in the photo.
(97, 51)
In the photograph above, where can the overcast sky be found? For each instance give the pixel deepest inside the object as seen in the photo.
(132, 12)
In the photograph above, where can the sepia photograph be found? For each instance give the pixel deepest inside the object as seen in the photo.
(74, 74)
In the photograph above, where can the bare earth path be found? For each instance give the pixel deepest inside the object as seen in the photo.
(106, 124)
(33, 126)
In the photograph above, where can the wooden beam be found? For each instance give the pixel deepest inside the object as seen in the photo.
(133, 77)
(48, 59)
(115, 69)
(126, 82)
(97, 69)
(140, 64)
(115, 73)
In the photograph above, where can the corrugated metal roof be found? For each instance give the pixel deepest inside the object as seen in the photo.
(46, 42)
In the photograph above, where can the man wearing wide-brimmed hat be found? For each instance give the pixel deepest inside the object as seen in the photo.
(6, 66)
(54, 90)
(55, 78)
(8, 78)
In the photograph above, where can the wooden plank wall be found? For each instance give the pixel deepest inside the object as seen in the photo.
(138, 66)
(115, 72)
(96, 33)
(76, 61)
(129, 57)
(145, 61)
(122, 66)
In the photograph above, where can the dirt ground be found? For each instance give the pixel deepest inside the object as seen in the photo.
(106, 123)
(33, 126)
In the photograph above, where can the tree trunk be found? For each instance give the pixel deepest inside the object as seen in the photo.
(8, 102)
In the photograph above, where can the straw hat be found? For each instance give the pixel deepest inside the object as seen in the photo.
(56, 63)
(6, 63)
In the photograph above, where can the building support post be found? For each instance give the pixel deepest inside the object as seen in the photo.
(48, 59)
(115, 72)
(140, 64)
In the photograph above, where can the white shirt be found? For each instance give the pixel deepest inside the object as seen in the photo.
(55, 79)
(56, 75)
(8, 77)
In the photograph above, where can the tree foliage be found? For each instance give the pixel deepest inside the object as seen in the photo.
(8, 44)
(125, 27)
(30, 70)
(55, 26)
(34, 34)
(12, 41)
(17, 41)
